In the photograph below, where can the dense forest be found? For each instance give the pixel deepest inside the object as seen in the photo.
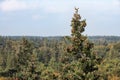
(75, 57)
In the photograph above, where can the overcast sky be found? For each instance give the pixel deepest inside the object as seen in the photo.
(52, 17)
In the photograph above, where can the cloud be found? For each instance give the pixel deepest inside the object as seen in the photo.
(118, 2)
(99, 5)
(58, 6)
(45, 5)
(13, 5)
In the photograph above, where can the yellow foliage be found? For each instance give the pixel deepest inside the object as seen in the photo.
(56, 74)
(2, 78)
(5, 78)
(113, 77)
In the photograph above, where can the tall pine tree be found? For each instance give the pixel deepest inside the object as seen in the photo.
(80, 49)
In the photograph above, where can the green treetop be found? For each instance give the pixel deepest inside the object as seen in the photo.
(77, 39)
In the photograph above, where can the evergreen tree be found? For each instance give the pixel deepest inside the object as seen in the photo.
(80, 48)
(26, 61)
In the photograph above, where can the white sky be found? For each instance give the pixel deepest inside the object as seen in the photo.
(52, 17)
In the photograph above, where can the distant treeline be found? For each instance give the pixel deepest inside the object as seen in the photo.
(108, 38)
(94, 39)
